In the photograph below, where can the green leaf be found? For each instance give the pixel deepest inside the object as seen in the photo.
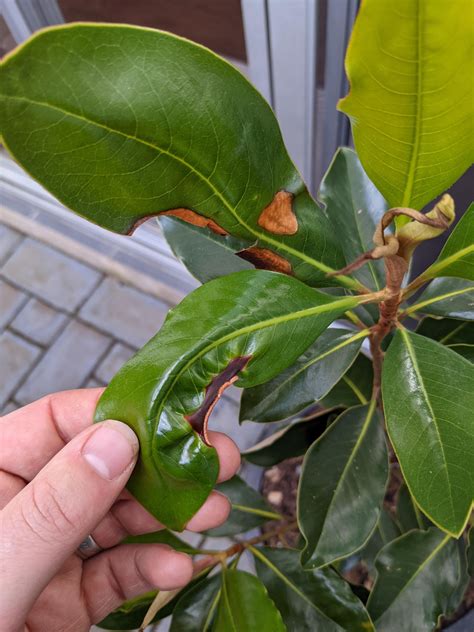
(162, 537)
(249, 509)
(205, 254)
(308, 380)
(457, 257)
(354, 207)
(385, 531)
(245, 606)
(447, 331)
(342, 487)
(195, 610)
(290, 441)
(410, 105)
(417, 575)
(106, 119)
(428, 395)
(354, 387)
(253, 323)
(446, 297)
(408, 514)
(309, 600)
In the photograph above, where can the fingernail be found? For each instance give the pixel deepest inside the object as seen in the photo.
(111, 449)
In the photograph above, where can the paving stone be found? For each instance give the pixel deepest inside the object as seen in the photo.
(9, 408)
(9, 238)
(127, 314)
(66, 364)
(17, 358)
(11, 301)
(50, 275)
(39, 322)
(117, 356)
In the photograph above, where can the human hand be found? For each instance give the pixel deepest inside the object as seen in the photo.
(61, 479)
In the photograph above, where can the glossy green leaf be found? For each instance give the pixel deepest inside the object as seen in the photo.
(205, 254)
(109, 122)
(342, 487)
(354, 207)
(410, 105)
(308, 380)
(196, 609)
(162, 537)
(245, 606)
(457, 257)
(447, 297)
(354, 387)
(290, 441)
(408, 515)
(447, 331)
(309, 601)
(249, 509)
(428, 394)
(253, 324)
(417, 577)
(385, 531)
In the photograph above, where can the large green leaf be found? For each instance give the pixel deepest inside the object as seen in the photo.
(447, 297)
(428, 394)
(385, 531)
(245, 606)
(354, 207)
(253, 323)
(342, 487)
(408, 515)
(447, 331)
(354, 387)
(457, 257)
(418, 575)
(308, 380)
(121, 123)
(205, 254)
(410, 104)
(309, 601)
(249, 509)
(196, 609)
(290, 441)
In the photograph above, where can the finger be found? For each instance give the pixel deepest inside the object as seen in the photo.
(44, 524)
(41, 429)
(10, 486)
(213, 513)
(130, 570)
(229, 455)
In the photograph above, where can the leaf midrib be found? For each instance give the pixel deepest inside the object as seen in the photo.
(437, 299)
(260, 236)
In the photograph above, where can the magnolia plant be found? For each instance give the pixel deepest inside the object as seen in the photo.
(306, 305)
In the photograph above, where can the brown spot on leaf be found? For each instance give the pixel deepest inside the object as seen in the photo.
(278, 217)
(185, 214)
(266, 259)
(199, 419)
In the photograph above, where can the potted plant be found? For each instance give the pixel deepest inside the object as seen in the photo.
(122, 123)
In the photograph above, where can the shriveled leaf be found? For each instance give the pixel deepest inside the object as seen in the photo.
(309, 379)
(290, 441)
(405, 76)
(205, 254)
(249, 509)
(309, 600)
(447, 297)
(418, 575)
(132, 133)
(457, 257)
(196, 609)
(251, 324)
(408, 515)
(447, 331)
(428, 394)
(354, 387)
(162, 537)
(342, 487)
(244, 605)
(354, 207)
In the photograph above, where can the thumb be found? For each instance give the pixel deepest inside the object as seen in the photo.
(45, 523)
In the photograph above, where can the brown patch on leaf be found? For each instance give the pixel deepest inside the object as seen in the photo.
(278, 217)
(266, 259)
(199, 419)
(191, 217)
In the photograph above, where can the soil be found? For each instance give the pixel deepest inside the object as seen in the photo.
(279, 487)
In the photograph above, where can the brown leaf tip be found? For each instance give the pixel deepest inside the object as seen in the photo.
(266, 259)
(200, 418)
(278, 217)
(191, 217)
